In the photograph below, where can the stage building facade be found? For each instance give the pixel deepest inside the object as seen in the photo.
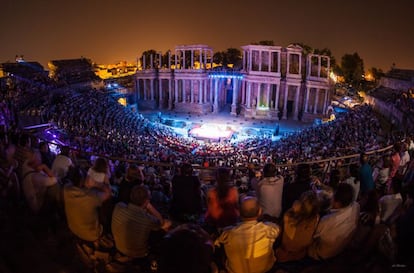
(274, 83)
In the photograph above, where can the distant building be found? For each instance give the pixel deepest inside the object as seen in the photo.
(72, 70)
(394, 97)
(23, 70)
(398, 79)
(274, 83)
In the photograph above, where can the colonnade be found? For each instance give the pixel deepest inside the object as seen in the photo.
(275, 85)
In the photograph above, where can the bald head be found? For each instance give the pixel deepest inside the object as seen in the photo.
(250, 208)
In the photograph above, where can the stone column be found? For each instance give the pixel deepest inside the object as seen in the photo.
(243, 92)
(260, 62)
(329, 66)
(277, 97)
(234, 101)
(249, 94)
(288, 63)
(200, 91)
(136, 94)
(201, 60)
(268, 94)
(192, 59)
(191, 89)
(145, 88)
(161, 98)
(183, 64)
(151, 61)
(295, 116)
(278, 62)
(176, 90)
(300, 64)
(244, 60)
(259, 95)
(216, 82)
(170, 94)
(169, 59)
(319, 66)
(325, 101)
(205, 98)
(211, 90)
(152, 88)
(138, 90)
(249, 60)
(159, 60)
(285, 102)
(175, 59)
(307, 99)
(269, 67)
(316, 101)
(183, 90)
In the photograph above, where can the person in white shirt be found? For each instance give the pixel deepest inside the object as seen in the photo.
(98, 175)
(269, 192)
(38, 179)
(353, 180)
(405, 158)
(62, 163)
(335, 229)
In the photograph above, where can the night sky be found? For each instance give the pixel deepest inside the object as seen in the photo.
(109, 31)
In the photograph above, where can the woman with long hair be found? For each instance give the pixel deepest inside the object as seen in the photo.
(299, 225)
(301, 183)
(99, 174)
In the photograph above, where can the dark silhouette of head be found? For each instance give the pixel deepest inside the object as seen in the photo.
(139, 195)
(344, 195)
(269, 170)
(186, 169)
(250, 208)
(303, 173)
(187, 248)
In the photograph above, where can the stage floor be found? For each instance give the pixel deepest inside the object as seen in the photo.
(184, 123)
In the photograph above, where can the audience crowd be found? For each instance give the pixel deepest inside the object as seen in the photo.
(126, 187)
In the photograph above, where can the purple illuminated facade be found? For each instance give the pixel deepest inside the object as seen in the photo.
(274, 83)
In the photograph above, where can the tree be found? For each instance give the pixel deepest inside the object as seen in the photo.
(164, 58)
(218, 58)
(376, 73)
(352, 67)
(234, 56)
(306, 49)
(231, 56)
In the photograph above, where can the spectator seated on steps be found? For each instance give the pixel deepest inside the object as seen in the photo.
(335, 229)
(133, 224)
(81, 207)
(187, 248)
(249, 245)
(39, 183)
